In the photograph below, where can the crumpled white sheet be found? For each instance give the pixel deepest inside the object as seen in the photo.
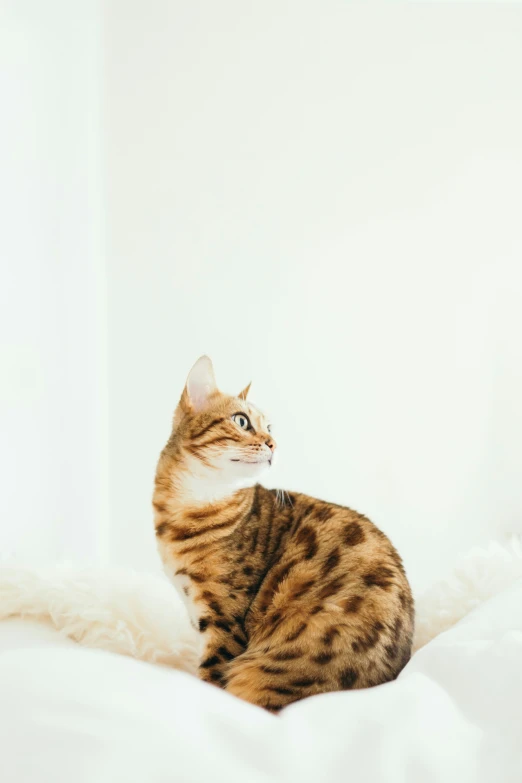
(68, 713)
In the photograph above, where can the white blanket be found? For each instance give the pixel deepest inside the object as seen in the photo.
(68, 713)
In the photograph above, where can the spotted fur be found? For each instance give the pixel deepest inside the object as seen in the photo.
(292, 596)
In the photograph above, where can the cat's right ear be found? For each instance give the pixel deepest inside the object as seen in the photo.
(243, 394)
(200, 386)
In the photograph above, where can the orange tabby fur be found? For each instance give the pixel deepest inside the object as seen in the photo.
(292, 598)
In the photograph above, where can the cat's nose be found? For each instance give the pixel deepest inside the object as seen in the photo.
(270, 443)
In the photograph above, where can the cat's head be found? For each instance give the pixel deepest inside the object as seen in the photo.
(218, 434)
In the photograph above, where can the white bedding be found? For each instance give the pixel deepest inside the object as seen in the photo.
(455, 714)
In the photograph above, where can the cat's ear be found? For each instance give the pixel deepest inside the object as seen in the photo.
(243, 395)
(200, 386)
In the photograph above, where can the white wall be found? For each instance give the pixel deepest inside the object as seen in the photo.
(325, 198)
(53, 396)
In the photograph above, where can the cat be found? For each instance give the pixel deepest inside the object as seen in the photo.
(292, 596)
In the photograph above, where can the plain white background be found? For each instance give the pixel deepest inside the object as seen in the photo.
(324, 197)
(53, 335)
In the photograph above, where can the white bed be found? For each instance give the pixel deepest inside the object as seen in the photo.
(68, 713)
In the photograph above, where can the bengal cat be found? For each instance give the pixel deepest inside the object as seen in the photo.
(292, 597)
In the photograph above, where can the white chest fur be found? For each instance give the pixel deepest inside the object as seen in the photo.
(186, 590)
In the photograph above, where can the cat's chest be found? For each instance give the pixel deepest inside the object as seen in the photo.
(187, 592)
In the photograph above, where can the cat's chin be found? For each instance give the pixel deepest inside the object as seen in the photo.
(246, 469)
(266, 462)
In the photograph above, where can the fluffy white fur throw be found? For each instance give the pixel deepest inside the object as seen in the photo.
(140, 614)
(121, 610)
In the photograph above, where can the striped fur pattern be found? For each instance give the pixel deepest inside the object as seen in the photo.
(292, 596)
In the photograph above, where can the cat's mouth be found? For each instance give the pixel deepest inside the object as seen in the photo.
(253, 461)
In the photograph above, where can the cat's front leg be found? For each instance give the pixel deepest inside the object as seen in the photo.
(224, 640)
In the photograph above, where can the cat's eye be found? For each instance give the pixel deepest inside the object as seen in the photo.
(242, 420)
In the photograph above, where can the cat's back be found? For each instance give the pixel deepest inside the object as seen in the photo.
(328, 533)
(336, 567)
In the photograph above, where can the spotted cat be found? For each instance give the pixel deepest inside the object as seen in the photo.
(293, 596)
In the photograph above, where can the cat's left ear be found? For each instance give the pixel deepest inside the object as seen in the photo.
(243, 395)
(201, 384)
